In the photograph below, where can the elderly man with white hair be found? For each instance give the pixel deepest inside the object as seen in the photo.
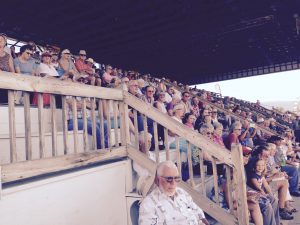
(168, 204)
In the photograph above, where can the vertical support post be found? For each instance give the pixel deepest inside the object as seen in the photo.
(146, 133)
(85, 130)
(178, 154)
(65, 123)
(93, 119)
(53, 125)
(75, 124)
(166, 143)
(190, 164)
(229, 187)
(41, 125)
(156, 141)
(12, 126)
(215, 175)
(108, 119)
(136, 129)
(28, 143)
(101, 118)
(202, 172)
(242, 208)
(116, 130)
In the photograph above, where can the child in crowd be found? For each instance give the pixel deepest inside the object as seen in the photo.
(259, 183)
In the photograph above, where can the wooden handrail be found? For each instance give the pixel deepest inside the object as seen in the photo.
(193, 137)
(14, 81)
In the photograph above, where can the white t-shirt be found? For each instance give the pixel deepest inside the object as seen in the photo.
(47, 69)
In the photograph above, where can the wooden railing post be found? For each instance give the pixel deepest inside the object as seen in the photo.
(239, 178)
(125, 134)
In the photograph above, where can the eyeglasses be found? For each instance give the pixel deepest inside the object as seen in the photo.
(28, 53)
(82, 54)
(209, 133)
(150, 91)
(177, 179)
(213, 112)
(237, 129)
(186, 96)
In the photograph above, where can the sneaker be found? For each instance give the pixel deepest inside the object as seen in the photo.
(284, 215)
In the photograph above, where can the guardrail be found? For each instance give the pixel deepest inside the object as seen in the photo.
(101, 119)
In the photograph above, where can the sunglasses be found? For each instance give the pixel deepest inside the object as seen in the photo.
(176, 179)
(82, 54)
(186, 96)
(209, 133)
(67, 53)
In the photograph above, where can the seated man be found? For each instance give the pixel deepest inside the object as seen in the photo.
(168, 204)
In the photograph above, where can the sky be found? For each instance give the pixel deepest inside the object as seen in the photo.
(282, 86)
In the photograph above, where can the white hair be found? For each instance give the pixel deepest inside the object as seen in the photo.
(142, 136)
(166, 164)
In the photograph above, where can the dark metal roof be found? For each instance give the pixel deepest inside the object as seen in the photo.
(192, 41)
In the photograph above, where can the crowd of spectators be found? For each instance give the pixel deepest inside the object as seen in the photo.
(271, 161)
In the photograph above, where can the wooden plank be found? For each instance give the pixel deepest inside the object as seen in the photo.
(190, 164)
(12, 126)
(242, 207)
(41, 125)
(22, 82)
(94, 123)
(156, 141)
(126, 123)
(53, 125)
(229, 187)
(115, 109)
(202, 172)
(178, 154)
(75, 124)
(122, 124)
(193, 137)
(108, 119)
(23, 170)
(146, 134)
(28, 142)
(85, 129)
(141, 159)
(65, 124)
(167, 143)
(215, 175)
(101, 118)
(136, 129)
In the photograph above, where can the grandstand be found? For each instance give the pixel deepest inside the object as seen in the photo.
(77, 108)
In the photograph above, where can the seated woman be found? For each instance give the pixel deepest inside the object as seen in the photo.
(6, 61)
(67, 68)
(217, 135)
(6, 64)
(232, 138)
(278, 180)
(24, 64)
(189, 120)
(45, 69)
